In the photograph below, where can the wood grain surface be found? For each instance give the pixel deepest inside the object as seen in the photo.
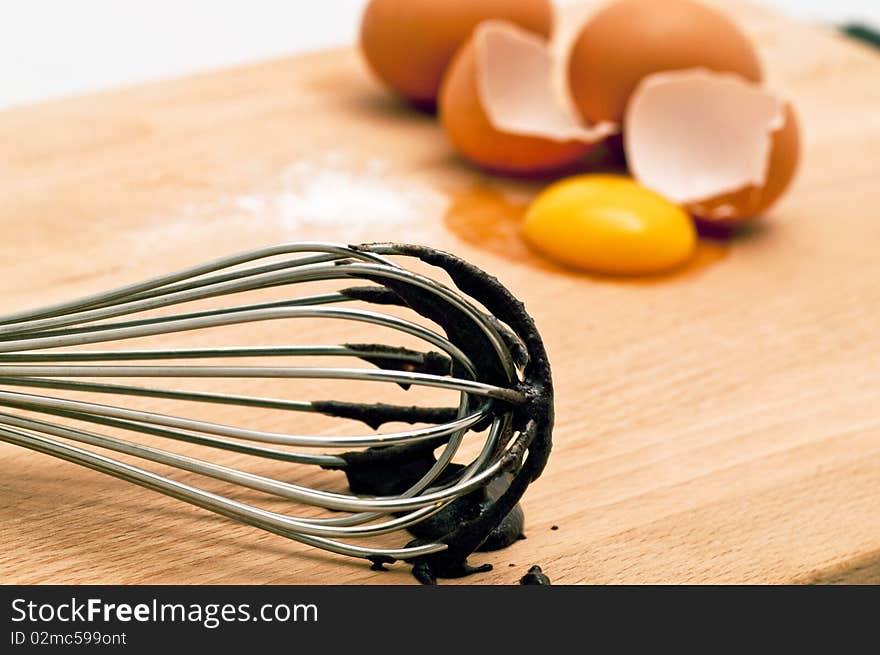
(717, 426)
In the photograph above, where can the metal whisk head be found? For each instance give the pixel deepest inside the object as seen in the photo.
(69, 371)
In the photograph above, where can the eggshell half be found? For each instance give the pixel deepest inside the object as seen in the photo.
(721, 147)
(410, 43)
(501, 108)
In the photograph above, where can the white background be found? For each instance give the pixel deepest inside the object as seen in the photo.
(52, 48)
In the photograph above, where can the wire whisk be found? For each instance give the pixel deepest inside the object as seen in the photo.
(69, 370)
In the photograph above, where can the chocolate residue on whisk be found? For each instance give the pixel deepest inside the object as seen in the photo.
(488, 518)
(535, 576)
(377, 414)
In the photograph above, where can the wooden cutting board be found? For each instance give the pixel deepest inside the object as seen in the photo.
(717, 426)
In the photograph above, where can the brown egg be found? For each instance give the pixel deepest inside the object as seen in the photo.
(498, 108)
(630, 39)
(409, 43)
(740, 206)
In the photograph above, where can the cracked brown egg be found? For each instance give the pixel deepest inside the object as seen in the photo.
(409, 43)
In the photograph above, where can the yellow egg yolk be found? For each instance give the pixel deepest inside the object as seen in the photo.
(609, 224)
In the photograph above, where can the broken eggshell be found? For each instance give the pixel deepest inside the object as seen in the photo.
(502, 108)
(721, 147)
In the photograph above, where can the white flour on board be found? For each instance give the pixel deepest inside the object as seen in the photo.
(337, 193)
(324, 198)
